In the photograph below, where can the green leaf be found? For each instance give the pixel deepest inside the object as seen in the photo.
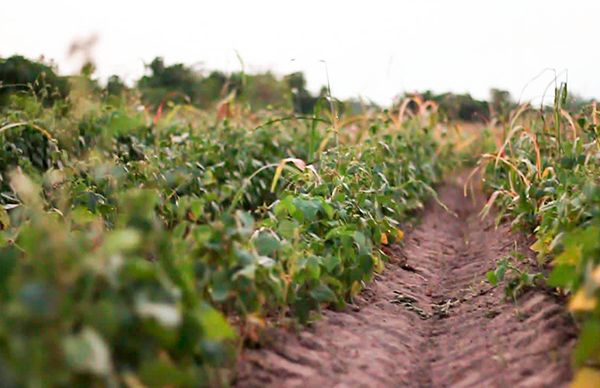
(308, 208)
(286, 228)
(244, 257)
(214, 325)
(122, 240)
(588, 345)
(302, 307)
(322, 293)
(82, 216)
(202, 233)
(8, 262)
(313, 266)
(492, 278)
(501, 270)
(562, 276)
(365, 261)
(328, 209)
(310, 267)
(248, 272)
(285, 206)
(266, 244)
(361, 241)
(160, 373)
(331, 262)
(221, 285)
(197, 207)
(339, 231)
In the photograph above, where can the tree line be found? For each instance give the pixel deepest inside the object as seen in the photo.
(180, 83)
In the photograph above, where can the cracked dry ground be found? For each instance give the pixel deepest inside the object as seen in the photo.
(429, 320)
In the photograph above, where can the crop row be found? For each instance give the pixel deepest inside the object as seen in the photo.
(146, 250)
(546, 176)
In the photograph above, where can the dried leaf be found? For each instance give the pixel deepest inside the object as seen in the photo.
(399, 234)
(581, 301)
(384, 239)
(586, 378)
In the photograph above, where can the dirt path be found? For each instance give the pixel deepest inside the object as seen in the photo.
(430, 320)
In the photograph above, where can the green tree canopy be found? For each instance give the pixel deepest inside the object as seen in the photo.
(18, 73)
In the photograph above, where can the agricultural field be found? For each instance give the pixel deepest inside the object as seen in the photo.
(255, 234)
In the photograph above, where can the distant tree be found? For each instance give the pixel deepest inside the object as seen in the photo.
(460, 106)
(19, 74)
(355, 106)
(115, 86)
(296, 81)
(178, 81)
(264, 90)
(501, 103)
(302, 100)
(470, 109)
(181, 83)
(576, 102)
(211, 88)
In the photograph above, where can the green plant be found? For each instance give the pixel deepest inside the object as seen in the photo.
(517, 279)
(545, 175)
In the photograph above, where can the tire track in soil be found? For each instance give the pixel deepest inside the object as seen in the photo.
(430, 320)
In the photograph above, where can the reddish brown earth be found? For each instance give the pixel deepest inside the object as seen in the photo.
(430, 320)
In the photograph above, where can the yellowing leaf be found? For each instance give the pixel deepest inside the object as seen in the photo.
(378, 263)
(570, 256)
(278, 172)
(581, 301)
(384, 239)
(596, 275)
(399, 234)
(547, 171)
(299, 163)
(132, 381)
(4, 219)
(253, 326)
(355, 289)
(586, 378)
(538, 246)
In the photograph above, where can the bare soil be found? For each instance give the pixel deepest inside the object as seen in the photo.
(429, 320)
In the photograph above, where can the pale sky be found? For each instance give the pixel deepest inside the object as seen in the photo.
(375, 49)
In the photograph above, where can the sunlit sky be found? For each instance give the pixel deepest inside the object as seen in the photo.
(375, 49)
